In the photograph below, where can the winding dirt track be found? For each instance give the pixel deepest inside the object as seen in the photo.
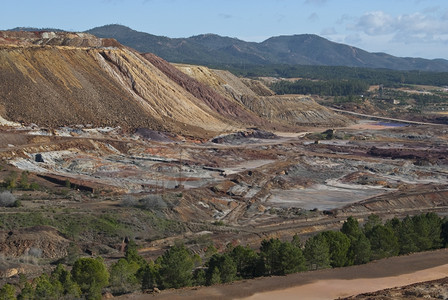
(381, 118)
(324, 284)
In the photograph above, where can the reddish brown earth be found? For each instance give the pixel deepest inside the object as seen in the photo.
(51, 243)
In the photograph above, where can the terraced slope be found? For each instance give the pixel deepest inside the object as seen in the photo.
(292, 110)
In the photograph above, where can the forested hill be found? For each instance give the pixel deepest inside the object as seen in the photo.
(304, 49)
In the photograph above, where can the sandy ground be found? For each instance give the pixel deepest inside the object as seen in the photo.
(334, 288)
(323, 284)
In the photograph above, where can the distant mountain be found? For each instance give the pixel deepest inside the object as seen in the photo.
(303, 49)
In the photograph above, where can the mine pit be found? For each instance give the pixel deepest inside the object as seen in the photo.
(129, 173)
(102, 145)
(321, 197)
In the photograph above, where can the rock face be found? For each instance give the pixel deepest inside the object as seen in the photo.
(416, 198)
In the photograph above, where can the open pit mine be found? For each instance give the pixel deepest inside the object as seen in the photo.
(122, 145)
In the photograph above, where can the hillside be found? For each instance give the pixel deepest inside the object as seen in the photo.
(67, 82)
(197, 156)
(58, 79)
(297, 110)
(303, 49)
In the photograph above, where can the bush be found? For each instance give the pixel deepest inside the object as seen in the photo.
(35, 252)
(7, 199)
(128, 201)
(23, 183)
(153, 202)
(11, 181)
(34, 186)
(8, 292)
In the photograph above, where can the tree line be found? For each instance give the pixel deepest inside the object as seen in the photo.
(178, 267)
(371, 76)
(323, 88)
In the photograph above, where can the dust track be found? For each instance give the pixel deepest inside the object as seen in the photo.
(323, 284)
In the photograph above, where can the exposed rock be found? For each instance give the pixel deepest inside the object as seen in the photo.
(291, 110)
(98, 86)
(9, 269)
(258, 87)
(225, 106)
(244, 136)
(59, 79)
(107, 295)
(153, 135)
(38, 241)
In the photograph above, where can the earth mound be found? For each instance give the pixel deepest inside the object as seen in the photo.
(56, 79)
(243, 136)
(37, 241)
(291, 110)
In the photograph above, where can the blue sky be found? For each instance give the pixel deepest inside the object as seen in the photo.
(416, 28)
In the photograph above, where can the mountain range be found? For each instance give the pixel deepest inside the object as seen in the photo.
(303, 49)
(219, 51)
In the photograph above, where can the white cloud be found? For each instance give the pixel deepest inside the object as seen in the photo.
(375, 23)
(406, 28)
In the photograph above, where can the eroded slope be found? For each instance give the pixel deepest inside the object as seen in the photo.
(292, 110)
(226, 107)
(102, 86)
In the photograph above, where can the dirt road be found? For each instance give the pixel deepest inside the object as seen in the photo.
(323, 284)
(381, 118)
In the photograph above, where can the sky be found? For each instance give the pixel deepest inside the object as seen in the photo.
(406, 28)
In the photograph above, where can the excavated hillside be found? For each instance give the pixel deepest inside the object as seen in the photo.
(48, 81)
(224, 106)
(65, 79)
(293, 110)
